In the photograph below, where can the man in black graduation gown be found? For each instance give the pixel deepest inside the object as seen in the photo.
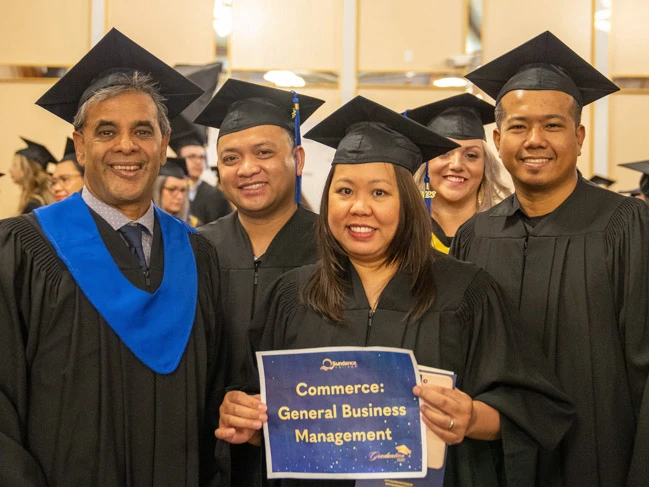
(260, 161)
(207, 203)
(113, 359)
(571, 256)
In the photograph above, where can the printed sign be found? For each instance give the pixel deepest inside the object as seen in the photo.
(343, 412)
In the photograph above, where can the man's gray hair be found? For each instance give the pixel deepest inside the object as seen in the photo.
(133, 81)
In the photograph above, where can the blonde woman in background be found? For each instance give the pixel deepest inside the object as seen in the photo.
(29, 172)
(465, 180)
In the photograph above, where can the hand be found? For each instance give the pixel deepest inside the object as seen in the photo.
(447, 412)
(241, 418)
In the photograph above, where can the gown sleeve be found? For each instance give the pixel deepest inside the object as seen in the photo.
(627, 249)
(507, 370)
(461, 244)
(21, 301)
(218, 365)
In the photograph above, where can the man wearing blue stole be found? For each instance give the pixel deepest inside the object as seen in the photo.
(112, 359)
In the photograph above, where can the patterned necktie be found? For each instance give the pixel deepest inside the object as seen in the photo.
(133, 236)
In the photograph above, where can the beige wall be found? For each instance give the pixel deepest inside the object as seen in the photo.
(629, 38)
(173, 31)
(401, 99)
(410, 35)
(44, 32)
(629, 126)
(286, 34)
(506, 25)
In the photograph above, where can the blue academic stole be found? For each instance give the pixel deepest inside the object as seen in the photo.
(154, 326)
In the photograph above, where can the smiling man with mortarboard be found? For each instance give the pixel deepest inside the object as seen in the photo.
(572, 257)
(113, 361)
(260, 160)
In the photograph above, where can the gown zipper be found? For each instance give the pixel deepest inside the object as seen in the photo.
(370, 316)
(254, 287)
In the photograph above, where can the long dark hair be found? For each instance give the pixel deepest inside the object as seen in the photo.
(410, 249)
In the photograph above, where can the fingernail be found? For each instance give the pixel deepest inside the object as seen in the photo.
(256, 425)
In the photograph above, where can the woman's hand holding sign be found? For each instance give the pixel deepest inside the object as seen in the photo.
(453, 415)
(241, 418)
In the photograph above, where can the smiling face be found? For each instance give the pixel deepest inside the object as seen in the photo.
(363, 209)
(538, 140)
(456, 175)
(257, 169)
(122, 149)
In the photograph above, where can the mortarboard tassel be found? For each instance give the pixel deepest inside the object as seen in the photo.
(298, 142)
(426, 193)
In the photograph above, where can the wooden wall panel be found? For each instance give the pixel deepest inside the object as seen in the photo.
(30, 121)
(629, 38)
(410, 35)
(286, 34)
(628, 128)
(171, 30)
(400, 99)
(44, 33)
(506, 25)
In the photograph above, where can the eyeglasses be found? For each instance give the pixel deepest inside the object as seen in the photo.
(175, 189)
(63, 180)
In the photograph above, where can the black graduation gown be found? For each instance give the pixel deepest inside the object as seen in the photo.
(579, 278)
(76, 406)
(243, 282)
(467, 330)
(209, 204)
(31, 205)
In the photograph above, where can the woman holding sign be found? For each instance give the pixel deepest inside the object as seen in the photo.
(379, 283)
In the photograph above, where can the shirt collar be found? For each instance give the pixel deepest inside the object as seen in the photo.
(115, 218)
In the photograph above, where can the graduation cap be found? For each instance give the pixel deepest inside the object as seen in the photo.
(184, 133)
(458, 117)
(69, 154)
(363, 131)
(643, 167)
(105, 65)
(631, 192)
(240, 105)
(175, 167)
(601, 180)
(543, 63)
(37, 153)
(640, 166)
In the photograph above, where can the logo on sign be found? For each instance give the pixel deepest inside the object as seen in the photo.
(399, 456)
(328, 364)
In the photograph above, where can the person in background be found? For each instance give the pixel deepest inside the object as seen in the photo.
(113, 358)
(170, 190)
(67, 178)
(378, 282)
(207, 203)
(571, 257)
(28, 170)
(643, 167)
(260, 162)
(465, 180)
